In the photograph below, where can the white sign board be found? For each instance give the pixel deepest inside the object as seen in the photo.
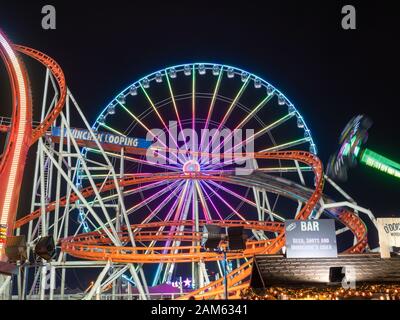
(389, 234)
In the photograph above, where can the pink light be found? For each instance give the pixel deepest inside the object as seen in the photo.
(191, 166)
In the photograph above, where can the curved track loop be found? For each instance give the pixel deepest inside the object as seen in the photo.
(301, 156)
(92, 246)
(58, 74)
(21, 135)
(12, 161)
(139, 230)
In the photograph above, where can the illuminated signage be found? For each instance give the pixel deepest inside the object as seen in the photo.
(103, 137)
(310, 239)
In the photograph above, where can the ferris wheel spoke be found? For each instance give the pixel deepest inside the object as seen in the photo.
(181, 214)
(151, 198)
(163, 203)
(203, 202)
(287, 145)
(171, 210)
(132, 191)
(143, 203)
(244, 199)
(137, 160)
(245, 120)
(251, 138)
(112, 129)
(193, 108)
(175, 106)
(211, 108)
(229, 111)
(210, 200)
(268, 128)
(225, 202)
(148, 131)
(167, 218)
(160, 229)
(184, 195)
(254, 111)
(160, 117)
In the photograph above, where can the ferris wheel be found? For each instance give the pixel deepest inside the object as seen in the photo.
(221, 106)
(181, 148)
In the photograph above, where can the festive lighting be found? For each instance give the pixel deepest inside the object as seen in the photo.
(363, 292)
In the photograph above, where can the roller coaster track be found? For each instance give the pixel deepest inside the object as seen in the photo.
(301, 156)
(21, 134)
(97, 246)
(58, 74)
(13, 159)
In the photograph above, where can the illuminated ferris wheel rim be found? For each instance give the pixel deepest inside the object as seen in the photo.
(191, 69)
(172, 71)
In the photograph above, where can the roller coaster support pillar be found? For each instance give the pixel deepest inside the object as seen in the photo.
(226, 297)
(97, 284)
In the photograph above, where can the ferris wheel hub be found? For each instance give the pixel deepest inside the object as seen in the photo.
(191, 166)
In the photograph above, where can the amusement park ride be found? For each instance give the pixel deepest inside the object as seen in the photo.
(137, 222)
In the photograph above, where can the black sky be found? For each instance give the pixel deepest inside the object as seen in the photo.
(299, 46)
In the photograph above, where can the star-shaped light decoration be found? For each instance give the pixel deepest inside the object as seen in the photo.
(187, 282)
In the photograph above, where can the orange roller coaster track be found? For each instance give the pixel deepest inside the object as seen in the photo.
(301, 156)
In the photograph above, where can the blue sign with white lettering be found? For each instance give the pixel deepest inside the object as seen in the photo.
(104, 137)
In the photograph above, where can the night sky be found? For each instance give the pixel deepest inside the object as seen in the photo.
(299, 46)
